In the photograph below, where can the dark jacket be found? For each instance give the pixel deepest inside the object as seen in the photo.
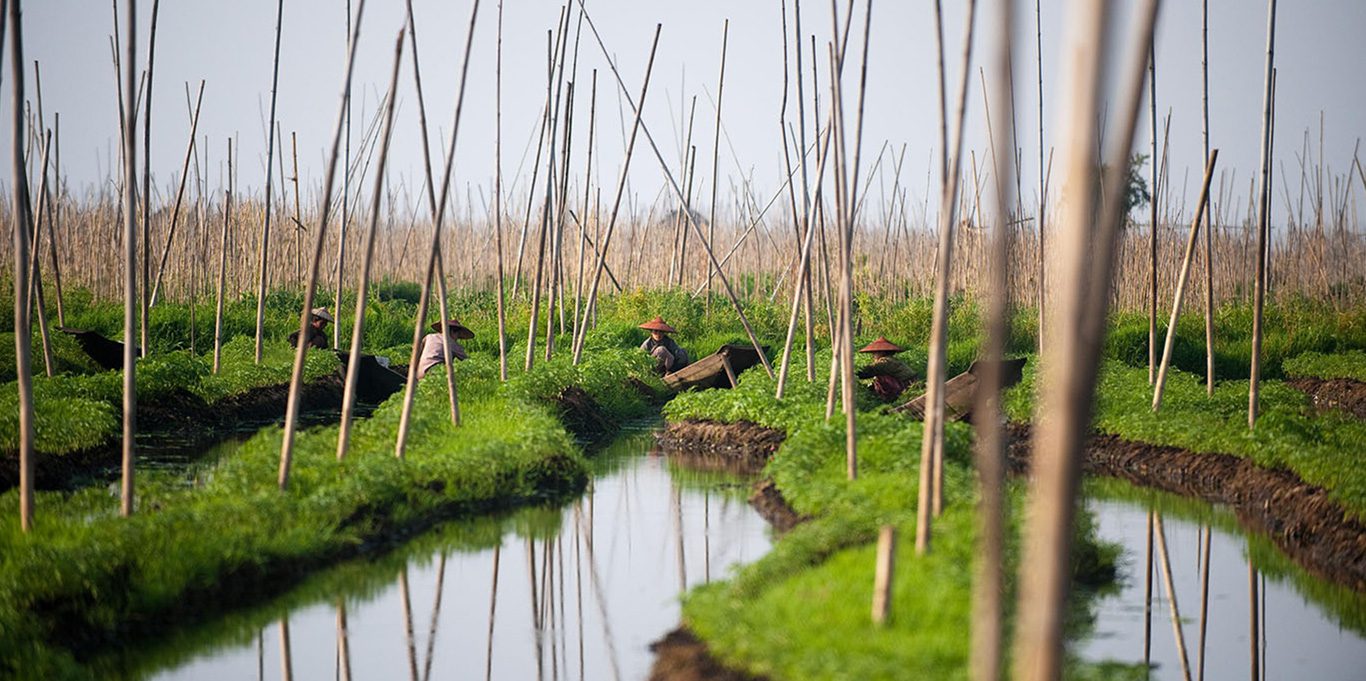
(316, 338)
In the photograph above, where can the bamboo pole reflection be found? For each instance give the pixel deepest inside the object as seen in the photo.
(578, 581)
(599, 597)
(1204, 600)
(706, 535)
(677, 503)
(343, 644)
(436, 614)
(1148, 597)
(535, 606)
(493, 608)
(1254, 630)
(1171, 598)
(286, 660)
(406, 600)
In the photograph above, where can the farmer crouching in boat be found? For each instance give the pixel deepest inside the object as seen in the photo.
(890, 376)
(319, 318)
(669, 357)
(433, 345)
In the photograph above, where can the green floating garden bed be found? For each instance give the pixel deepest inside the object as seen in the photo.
(85, 579)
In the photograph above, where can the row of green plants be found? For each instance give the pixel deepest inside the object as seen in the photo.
(85, 580)
(802, 611)
(1350, 364)
(1321, 448)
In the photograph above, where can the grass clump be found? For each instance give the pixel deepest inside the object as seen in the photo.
(1350, 364)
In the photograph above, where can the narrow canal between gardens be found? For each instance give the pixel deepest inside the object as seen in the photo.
(577, 592)
(1310, 629)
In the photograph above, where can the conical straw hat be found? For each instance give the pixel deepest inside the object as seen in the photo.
(458, 331)
(323, 314)
(657, 324)
(881, 345)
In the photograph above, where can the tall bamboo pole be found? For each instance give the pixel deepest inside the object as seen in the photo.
(34, 233)
(363, 287)
(1152, 214)
(146, 171)
(1043, 188)
(716, 147)
(345, 198)
(932, 440)
(180, 194)
(21, 216)
(1263, 218)
(433, 258)
(1209, 207)
(498, 193)
(222, 267)
(301, 348)
(988, 609)
(130, 255)
(270, 186)
(1071, 362)
(1180, 294)
(46, 201)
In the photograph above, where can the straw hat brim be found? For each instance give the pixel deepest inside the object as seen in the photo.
(323, 314)
(658, 324)
(882, 345)
(458, 331)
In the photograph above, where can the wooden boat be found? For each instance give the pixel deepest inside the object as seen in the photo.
(960, 392)
(717, 370)
(374, 381)
(106, 353)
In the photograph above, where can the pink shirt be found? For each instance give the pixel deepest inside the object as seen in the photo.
(432, 353)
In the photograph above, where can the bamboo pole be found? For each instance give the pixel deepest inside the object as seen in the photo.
(45, 214)
(347, 171)
(130, 255)
(34, 231)
(556, 280)
(1152, 205)
(554, 40)
(433, 259)
(576, 329)
(180, 193)
(1254, 619)
(885, 569)
(363, 287)
(222, 267)
(1209, 211)
(270, 186)
(932, 440)
(436, 615)
(1071, 363)
(498, 206)
(606, 239)
(716, 145)
(1263, 219)
(21, 216)
(1043, 188)
(301, 348)
(1180, 295)
(1148, 591)
(146, 171)
(988, 609)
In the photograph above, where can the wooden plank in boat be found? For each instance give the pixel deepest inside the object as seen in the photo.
(710, 371)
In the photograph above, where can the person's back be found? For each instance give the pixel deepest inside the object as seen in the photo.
(433, 347)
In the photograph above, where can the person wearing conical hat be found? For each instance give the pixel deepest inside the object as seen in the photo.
(318, 320)
(890, 376)
(669, 356)
(434, 345)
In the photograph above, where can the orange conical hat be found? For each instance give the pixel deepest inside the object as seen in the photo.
(657, 324)
(458, 331)
(881, 345)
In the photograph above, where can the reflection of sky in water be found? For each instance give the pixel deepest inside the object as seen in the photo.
(632, 576)
(1301, 641)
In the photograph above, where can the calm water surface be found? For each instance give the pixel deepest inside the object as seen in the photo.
(574, 593)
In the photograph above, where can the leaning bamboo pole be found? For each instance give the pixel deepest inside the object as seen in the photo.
(932, 440)
(34, 234)
(130, 254)
(433, 259)
(988, 585)
(261, 277)
(1181, 280)
(46, 201)
(180, 194)
(21, 216)
(301, 347)
(146, 172)
(606, 239)
(1071, 362)
(1263, 218)
(363, 287)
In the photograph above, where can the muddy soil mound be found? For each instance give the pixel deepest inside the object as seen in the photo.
(741, 447)
(768, 501)
(1343, 394)
(681, 656)
(1314, 530)
(581, 415)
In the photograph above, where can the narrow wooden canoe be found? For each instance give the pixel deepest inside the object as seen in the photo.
(106, 353)
(710, 371)
(374, 382)
(960, 392)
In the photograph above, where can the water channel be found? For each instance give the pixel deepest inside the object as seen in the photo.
(580, 592)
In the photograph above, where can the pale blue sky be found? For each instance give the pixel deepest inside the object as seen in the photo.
(1319, 55)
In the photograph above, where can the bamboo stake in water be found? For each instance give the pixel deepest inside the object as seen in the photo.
(146, 171)
(1071, 364)
(1204, 602)
(358, 328)
(1152, 214)
(1043, 189)
(1263, 219)
(883, 574)
(932, 439)
(498, 196)
(22, 333)
(301, 348)
(270, 206)
(222, 267)
(1209, 211)
(1181, 280)
(130, 255)
(180, 193)
(433, 259)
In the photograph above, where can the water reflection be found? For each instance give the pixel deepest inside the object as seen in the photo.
(1248, 627)
(600, 580)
